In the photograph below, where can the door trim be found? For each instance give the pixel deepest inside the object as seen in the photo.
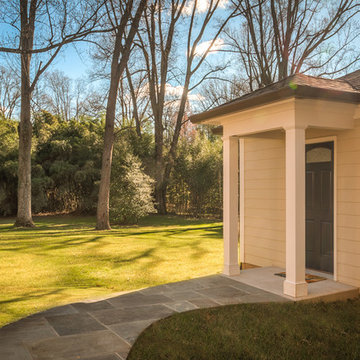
(333, 139)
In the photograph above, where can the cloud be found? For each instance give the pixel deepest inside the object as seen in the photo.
(176, 91)
(171, 91)
(201, 6)
(204, 46)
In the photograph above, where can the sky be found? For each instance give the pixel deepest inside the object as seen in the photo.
(73, 61)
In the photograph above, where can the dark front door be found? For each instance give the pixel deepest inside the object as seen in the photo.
(319, 206)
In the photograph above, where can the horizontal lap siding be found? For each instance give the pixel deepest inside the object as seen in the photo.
(348, 207)
(264, 202)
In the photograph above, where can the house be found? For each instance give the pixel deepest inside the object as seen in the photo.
(292, 178)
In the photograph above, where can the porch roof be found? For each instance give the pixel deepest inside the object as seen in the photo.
(345, 89)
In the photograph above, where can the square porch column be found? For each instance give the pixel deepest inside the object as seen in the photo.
(295, 284)
(230, 205)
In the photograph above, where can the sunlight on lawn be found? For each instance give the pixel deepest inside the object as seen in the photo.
(64, 260)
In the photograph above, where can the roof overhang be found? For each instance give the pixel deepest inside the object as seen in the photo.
(297, 92)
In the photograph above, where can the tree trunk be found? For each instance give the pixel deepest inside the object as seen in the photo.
(160, 185)
(103, 208)
(24, 217)
(117, 68)
(160, 197)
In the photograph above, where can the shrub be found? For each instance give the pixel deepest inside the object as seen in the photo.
(131, 188)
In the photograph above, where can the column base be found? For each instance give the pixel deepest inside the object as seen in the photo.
(295, 290)
(231, 270)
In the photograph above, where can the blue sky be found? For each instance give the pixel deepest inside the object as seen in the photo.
(74, 62)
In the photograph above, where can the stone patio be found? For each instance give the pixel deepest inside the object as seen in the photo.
(105, 329)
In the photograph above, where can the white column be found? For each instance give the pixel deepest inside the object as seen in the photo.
(242, 199)
(295, 284)
(230, 205)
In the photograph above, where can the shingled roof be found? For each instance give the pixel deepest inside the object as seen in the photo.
(344, 89)
(353, 79)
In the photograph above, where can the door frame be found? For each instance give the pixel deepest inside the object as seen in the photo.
(332, 139)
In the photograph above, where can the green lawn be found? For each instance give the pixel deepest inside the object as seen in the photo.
(64, 259)
(294, 331)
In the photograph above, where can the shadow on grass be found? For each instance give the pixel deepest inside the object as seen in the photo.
(144, 254)
(31, 296)
(59, 245)
(33, 237)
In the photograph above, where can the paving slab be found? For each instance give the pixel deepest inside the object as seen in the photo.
(103, 357)
(137, 313)
(155, 290)
(131, 330)
(221, 292)
(185, 285)
(92, 306)
(204, 303)
(28, 329)
(182, 306)
(106, 329)
(184, 295)
(97, 343)
(59, 310)
(74, 324)
(10, 351)
(136, 299)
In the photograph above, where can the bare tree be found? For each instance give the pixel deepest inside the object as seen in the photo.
(220, 91)
(124, 17)
(166, 22)
(279, 38)
(57, 23)
(133, 100)
(59, 94)
(88, 100)
(9, 92)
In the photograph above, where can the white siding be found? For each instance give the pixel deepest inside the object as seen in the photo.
(265, 202)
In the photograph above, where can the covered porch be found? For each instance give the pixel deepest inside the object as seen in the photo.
(293, 115)
(289, 120)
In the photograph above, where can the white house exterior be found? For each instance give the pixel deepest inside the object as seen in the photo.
(294, 148)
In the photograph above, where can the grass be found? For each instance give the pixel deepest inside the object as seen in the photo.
(64, 259)
(256, 331)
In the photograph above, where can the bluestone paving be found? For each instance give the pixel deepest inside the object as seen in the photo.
(106, 329)
(11, 351)
(131, 330)
(74, 324)
(105, 357)
(181, 306)
(92, 306)
(95, 343)
(184, 295)
(136, 299)
(146, 312)
(59, 310)
(27, 330)
(222, 292)
(204, 303)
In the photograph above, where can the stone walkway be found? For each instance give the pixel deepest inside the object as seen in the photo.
(106, 329)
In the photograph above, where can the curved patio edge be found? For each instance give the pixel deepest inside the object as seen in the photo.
(106, 329)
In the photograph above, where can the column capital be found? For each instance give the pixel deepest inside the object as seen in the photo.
(295, 127)
(229, 137)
